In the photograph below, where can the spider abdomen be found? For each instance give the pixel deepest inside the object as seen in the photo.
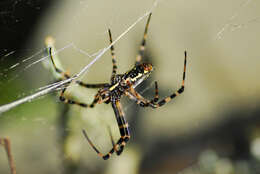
(138, 74)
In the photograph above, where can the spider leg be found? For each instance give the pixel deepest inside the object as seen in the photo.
(156, 97)
(176, 93)
(73, 102)
(112, 54)
(87, 85)
(124, 132)
(142, 46)
(7, 145)
(104, 156)
(123, 127)
(140, 100)
(65, 75)
(111, 137)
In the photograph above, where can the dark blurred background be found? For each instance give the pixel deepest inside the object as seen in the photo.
(213, 127)
(19, 19)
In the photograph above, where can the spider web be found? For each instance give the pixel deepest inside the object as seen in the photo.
(25, 60)
(9, 18)
(13, 72)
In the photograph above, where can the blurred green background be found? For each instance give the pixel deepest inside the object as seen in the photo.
(213, 127)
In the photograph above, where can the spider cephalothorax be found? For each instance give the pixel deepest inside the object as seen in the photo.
(122, 85)
(121, 82)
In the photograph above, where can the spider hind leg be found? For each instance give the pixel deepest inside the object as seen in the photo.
(118, 147)
(104, 156)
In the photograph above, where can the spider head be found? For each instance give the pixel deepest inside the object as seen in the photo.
(147, 67)
(103, 95)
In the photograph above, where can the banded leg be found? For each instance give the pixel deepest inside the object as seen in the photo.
(140, 100)
(7, 145)
(63, 74)
(123, 127)
(124, 132)
(179, 91)
(156, 97)
(87, 85)
(67, 76)
(104, 156)
(144, 102)
(111, 137)
(112, 54)
(73, 102)
(143, 43)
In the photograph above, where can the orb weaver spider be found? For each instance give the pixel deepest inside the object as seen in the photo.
(120, 85)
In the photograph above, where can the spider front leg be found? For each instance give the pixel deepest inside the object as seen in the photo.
(143, 43)
(73, 102)
(112, 54)
(65, 75)
(134, 95)
(178, 92)
(140, 100)
(124, 133)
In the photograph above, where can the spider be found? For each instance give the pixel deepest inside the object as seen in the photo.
(121, 85)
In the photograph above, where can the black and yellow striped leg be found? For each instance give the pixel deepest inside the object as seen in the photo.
(94, 147)
(140, 100)
(123, 127)
(124, 132)
(111, 137)
(143, 43)
(178, 92)
(104, 156)
(156, 97)
(86, 85)
(112, 54)
(73, 102)
(63, 74)
(66, 75)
